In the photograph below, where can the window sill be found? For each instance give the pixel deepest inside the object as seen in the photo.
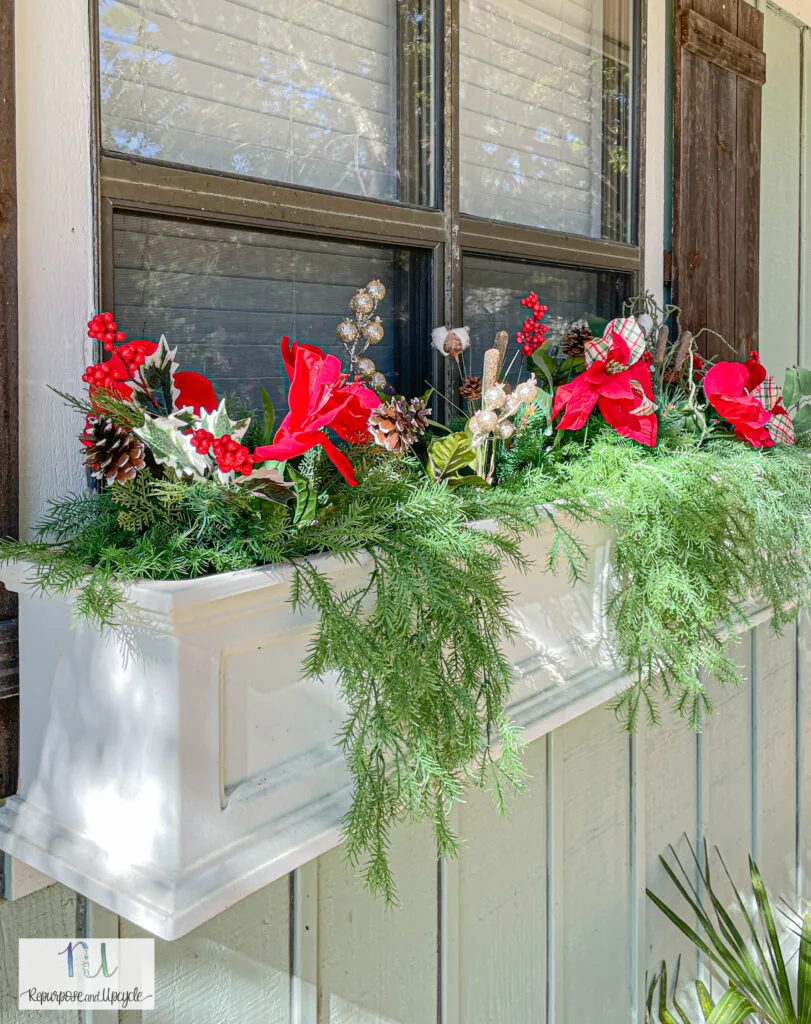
(168, 784)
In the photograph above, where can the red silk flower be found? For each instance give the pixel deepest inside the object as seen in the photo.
(116, 373)
(751, 402)
(319, 397)
(616, 381)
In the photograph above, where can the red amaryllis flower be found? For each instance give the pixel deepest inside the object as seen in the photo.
(320, 397)
(117, 372)
(617, 381)
(751, 402)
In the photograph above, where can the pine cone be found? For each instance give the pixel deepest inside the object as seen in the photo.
(574, 344)
(471, 388)
(397, 424)
(112, 452)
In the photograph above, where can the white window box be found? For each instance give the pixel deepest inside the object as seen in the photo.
(172, 770)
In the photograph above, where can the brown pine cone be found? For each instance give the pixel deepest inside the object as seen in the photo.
(471, 388)
(574, 344)
(397, 424)
(113, 453)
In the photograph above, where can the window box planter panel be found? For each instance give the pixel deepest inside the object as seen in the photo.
(171, 769)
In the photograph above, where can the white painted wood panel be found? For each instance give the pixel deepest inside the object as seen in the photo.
(780, 195)
(378, 965)
(49, 913)
(726, 769)
(502, 904)
(671, 810)
(233, 968)
(776, 726)
(592, 893)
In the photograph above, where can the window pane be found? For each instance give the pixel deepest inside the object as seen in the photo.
(545, 116)
(491, 290)
(302, 91)
(225, 297)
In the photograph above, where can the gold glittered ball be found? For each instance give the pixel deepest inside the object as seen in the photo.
(366, 367)
(373, 331)
(362, 303)
(377, 290)
(347, 332)
(378, 382)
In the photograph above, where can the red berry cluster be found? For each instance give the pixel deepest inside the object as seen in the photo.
(133, 355)
(533, 332)
(230, 454)
(103, 328)
(647, 358)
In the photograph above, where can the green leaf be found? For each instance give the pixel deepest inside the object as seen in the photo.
(154, 385)
(804, 380)
(732, 1008)
(804, 974)
(170, 446)
(467, 480)
(306, 498)
(705, 1000)
(448, 456)
(802, 420)
(791, 388)
(545, 366)
(269, 417)
(219, 422)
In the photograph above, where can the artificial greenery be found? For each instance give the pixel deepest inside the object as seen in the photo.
(763, 970)
(710, 505)
(701, 532)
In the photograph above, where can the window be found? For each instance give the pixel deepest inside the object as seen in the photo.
(262, 159)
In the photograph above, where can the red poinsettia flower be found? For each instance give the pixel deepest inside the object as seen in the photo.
(743, 395)
(320, 397)
(617, 381)
(116, 373)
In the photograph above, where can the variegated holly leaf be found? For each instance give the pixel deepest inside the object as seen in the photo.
(170, 446)
(218, 422)
(154, 384)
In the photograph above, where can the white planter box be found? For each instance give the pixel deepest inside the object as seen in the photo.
(170, 771)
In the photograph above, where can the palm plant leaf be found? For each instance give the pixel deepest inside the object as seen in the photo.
(732, 1008)
(804, 974)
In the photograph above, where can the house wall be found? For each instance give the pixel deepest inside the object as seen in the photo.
(543, 917)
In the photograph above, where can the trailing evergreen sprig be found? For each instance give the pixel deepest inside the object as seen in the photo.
(702, 532)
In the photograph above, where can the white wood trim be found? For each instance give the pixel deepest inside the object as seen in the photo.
(56, 239)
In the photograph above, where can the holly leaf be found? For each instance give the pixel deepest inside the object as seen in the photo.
(154, 384)
(170, 446)
(802, 421)
(269, 417)
(448, 456)
(219, 422)
(791, 388)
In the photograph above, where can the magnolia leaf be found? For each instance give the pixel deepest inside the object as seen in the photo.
(545, 366)
(154, 383)
(170, 446)
(804, 380)
(447, 456)
(219, 423)
(791, 388)
(466, 480)
(543, 403)
(802, 420)
(269, 417)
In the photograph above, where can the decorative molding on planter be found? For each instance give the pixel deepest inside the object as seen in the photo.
(170, 770)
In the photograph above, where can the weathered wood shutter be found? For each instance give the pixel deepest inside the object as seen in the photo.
(9, 486)
(720, 69)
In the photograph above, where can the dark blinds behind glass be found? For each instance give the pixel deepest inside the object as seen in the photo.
(492, 289)
(225, 296)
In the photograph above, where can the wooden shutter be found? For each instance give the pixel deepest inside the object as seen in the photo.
(9, 679)
(720, 69)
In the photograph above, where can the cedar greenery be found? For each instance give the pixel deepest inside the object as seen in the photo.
(701, 531)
